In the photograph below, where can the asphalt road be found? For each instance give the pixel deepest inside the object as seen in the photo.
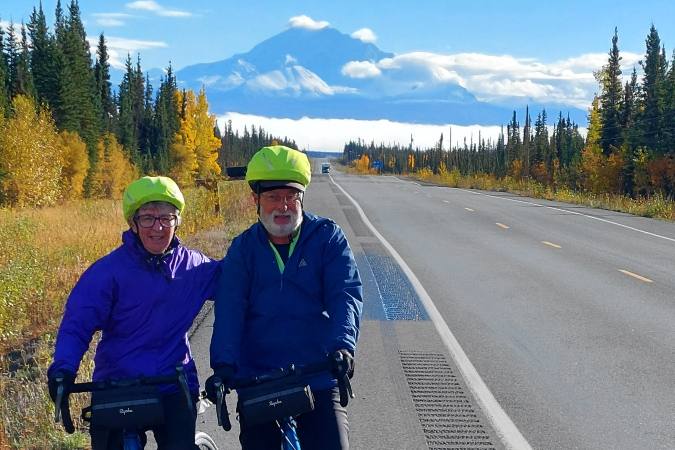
(565, 312)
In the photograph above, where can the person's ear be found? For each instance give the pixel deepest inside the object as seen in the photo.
(255, 198)
(132, 226)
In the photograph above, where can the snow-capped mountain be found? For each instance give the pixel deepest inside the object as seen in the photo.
(328, 74)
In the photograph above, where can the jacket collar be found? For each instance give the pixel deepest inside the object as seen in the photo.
(133, 244)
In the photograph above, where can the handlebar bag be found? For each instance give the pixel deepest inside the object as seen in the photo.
(131, 407)
(269, 403)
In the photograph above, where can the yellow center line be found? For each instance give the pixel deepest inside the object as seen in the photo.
(445, 201)
(469, 209)
(551, 244)
(634, 275)
(501, 225)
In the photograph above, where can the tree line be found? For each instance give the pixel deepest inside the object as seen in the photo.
(629, 148)
(65, 133)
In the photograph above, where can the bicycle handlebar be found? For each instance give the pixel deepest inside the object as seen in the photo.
(62, 409)
(290, 374)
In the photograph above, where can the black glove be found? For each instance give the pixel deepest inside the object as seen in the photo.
(343, 363)
(66, 379)
(224, 373)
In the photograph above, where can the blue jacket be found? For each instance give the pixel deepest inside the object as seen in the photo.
(144, 306)
(266, 318)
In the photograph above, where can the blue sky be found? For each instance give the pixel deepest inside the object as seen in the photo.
(193, 31)
(497, 50)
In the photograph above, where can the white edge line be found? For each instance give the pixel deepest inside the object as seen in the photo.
(571, 212)
(506, 430)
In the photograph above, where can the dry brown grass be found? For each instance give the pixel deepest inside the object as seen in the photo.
(656, 206)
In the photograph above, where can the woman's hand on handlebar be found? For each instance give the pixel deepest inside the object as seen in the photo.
(60, 384)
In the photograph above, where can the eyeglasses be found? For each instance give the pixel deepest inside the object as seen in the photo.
(279, 199)
(148, 221)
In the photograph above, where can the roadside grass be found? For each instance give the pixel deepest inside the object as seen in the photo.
(44, 253)
(656, 206)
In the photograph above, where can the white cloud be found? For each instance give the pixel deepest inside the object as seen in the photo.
(306, 22)
(493, 77)
(118, 48)
(111, 19)
(364, 35)
(110, 22)
(156, 8)
(333, 134)
(360, 69)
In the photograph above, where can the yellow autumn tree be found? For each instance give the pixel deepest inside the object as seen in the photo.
(182, 152)
(75, 164)
(362, 164)
(206, 142)
(114, 171)
(600, 174)
(30, 158)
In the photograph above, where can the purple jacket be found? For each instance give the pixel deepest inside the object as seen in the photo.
(144, 306)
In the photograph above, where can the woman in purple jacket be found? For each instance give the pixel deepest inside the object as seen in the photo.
(143, 296)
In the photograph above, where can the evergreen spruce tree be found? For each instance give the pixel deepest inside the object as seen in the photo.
(629, 112)
(126, 132)
(513, 144)
(23, 79)
(147, 129)
(12, 57)
(80, 107)
(166, 120)
(44, 60)
(542, 154)
(669, 111)
(527, 142)
(103, 86)
(652, 118)
(610, 100)
(4, 76)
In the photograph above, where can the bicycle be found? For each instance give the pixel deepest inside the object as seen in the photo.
(279, 395)
(129, 404)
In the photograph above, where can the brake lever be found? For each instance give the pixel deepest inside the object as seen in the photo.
(59, 400)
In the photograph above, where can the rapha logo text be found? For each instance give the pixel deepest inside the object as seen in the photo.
(124, 411)
(276, 402)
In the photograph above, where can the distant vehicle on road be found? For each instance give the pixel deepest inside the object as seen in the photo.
(325, 167)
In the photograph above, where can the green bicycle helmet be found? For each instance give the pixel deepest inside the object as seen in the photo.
(151, 189)
(278, 166)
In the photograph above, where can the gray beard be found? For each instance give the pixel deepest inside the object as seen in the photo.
(280, 230)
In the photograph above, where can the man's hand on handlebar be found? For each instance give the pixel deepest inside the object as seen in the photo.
(223, 374)
(343, 363)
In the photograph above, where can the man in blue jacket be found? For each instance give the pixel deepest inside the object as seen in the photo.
(143, 296)
(289, 292)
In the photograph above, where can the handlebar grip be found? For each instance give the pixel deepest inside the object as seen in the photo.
(344, 391)
(184, 386)
(221, 406)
